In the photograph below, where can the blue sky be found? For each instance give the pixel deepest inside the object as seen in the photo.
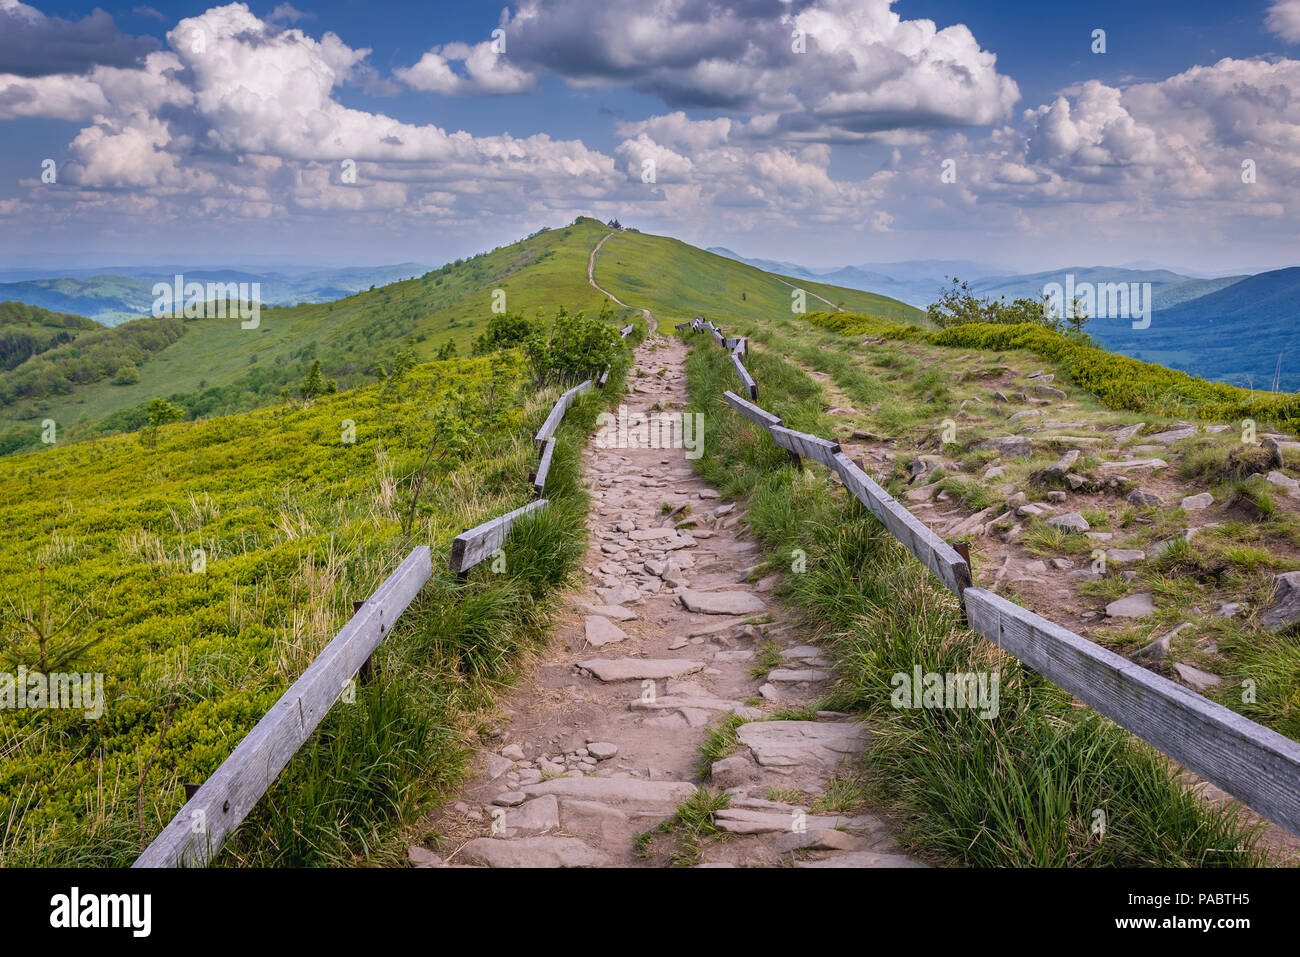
(243, 148)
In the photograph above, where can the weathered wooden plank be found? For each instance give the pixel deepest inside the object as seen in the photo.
(684, 325)
(760, 417)
(931, 550)
(738, 347)
(746, 379)
(626, 331)
(475, 544)
(557, 412)
(538, 478)
(604, 377)
(810, 446)
(1254, 764)
(717, 336)
(198, 830)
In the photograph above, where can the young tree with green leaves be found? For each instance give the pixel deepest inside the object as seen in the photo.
(159, 412)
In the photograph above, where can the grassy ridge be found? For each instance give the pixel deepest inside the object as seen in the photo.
(1118, 381)
(294, 522)
(678, 281)
(215, 367)
(1023, 789)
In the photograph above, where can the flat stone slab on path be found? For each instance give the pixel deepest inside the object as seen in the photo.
(617, 612)
(615, 791)
(630, 669)
(693, 703)
(494, 766)
(1135, 464)
(721, 602)
(817, 839)
(1134, 606)
(797, 675)
(739, 820)
(531, 852)
(788, 743)
(537, 816)
(651, 534)
(601, 631)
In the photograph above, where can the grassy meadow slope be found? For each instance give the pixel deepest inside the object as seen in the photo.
(215, 367)
(677, 281)
(289, 518)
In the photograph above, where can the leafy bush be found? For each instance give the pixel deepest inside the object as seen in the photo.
(577, 348)
(957, 307)
(314, 384)
(160, 412)
(505, 329)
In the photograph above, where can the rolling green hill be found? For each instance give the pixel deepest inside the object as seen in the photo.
(110, 297)
(102, 382)
(26, 331)
(215, 367)
(678, 281)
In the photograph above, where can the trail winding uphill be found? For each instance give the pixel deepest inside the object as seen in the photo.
(666, 637)
(591, 272)
(651, 323)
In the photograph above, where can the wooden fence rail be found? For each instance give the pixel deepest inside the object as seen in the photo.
(538, 478)
(1249, 761)
(808, 446)
(557, 414)
(198, 830)
(475, 544)
(914, 535)
(747, 380)
(760, 417)
(1254, 764)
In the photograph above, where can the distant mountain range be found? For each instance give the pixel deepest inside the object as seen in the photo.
(1246, 333)
(1233, 328)
(116, 294)
(1167, 288)
(916, 282)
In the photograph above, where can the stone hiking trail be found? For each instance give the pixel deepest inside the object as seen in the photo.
(602, 739)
